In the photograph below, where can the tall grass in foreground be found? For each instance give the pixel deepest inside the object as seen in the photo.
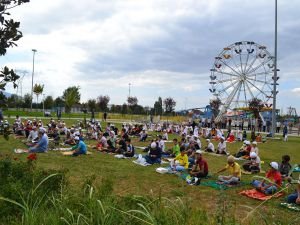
(34, 197)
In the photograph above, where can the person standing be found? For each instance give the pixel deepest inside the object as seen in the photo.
(285, 133)
(105, 116)
(278, 124)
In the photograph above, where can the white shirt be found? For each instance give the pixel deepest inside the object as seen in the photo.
(165, 136)
(161, 144)
(222, 146)
(254, 150)
(32, 135)
(257, 161)
(196, 132)
(211, 146)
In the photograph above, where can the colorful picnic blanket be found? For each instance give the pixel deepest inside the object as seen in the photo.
(290, 206)
(219, 186)
(255, 194)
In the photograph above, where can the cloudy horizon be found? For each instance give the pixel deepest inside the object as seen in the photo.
(161, 47)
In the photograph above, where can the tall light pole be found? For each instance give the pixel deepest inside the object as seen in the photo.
(43, 104)
(275, 78)
(129, 89)
(33, 51)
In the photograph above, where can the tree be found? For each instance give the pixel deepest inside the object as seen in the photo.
(38, 90)
(3, 100)
(124, 108)
(9, 34)
(58, 102)
(48, 102)
(102, 102)
(91, 104)
(27, 100)
(158, 107)
(132, 101)
(71, 96)
(215, 106)
(169, 104)
(255, 106)
(12, 100)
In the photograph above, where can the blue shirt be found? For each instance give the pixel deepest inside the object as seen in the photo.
(43, 143)
(81, 147)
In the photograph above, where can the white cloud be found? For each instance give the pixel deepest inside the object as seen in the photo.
(163, 47)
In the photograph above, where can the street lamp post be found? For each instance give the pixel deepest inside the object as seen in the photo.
(129, 90)
(34, 51)
(275, 78)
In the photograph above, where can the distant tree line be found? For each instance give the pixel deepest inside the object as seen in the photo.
(71, 97)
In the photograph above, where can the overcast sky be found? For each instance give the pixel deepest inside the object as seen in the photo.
(162, 47)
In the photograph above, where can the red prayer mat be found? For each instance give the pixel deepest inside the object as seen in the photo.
(253, 193)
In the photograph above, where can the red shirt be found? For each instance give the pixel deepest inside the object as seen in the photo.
(274, 176)
(202, 164)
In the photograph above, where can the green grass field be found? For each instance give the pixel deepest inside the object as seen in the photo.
(129, 178)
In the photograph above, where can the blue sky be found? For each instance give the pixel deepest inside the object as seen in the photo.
(162, 47)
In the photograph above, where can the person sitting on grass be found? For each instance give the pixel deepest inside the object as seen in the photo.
(234, 170)
(285, 166)
(143, 135)
(42, 145)
(254, 147)
(231, 137)
(295, 197)
(79, 148)
(253, 165)
(161, 143)
(111, 141)
(222, 147)
(165, 135)
(258, 138)
(175, 150)
(130, 149)
(210, 146)
(121, 146)
(181, 162)
(200, 169)
(154, 155)
(275, 183)
(102, 144)
(244, 150)
(33, 136)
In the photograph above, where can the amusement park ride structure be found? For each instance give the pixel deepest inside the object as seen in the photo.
(242, 71)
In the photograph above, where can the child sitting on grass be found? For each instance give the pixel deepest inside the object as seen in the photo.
(234, 170)
(285, 166)
(295, 197)
(275, 183)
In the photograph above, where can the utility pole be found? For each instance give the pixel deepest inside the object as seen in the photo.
(129, 90)
(275, 78)
(33, 51)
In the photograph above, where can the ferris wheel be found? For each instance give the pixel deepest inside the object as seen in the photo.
(241, 72)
